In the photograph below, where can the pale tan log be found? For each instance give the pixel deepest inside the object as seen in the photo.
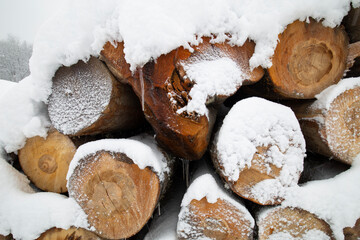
(334, 132)
(293, 221)
(86, 99)
(308, 58)
(46, 161)
(352, 233)
(68, 234)
(117, 196)
(163, 88)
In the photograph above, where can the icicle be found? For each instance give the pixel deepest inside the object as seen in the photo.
(142, 89)
(158, 207)
(186, 175)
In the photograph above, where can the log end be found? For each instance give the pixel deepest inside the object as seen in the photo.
(118, 196)
(46, 161)
(68, 234)
(219, 220)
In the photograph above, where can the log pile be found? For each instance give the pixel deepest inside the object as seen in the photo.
(257, 149)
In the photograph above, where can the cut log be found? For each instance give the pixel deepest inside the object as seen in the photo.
(208, 212)
(352, 24)
(331, 124)
(291, 224)
(46, 161)
(9, 237)
(86, 99)
(259, 150)
(118, 183)
(164, 87)
(308, 58)
(352, 233)
(68, 234)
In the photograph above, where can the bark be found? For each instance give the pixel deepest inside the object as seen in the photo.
(117, 196)
(86, 99)
(352, 233)
(333, 132)
(68, 234)
(294, 221)
(308, 58)
(163, 88)
(46, 161)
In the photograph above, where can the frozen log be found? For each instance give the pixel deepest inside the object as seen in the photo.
(291, 224)
(308, 58)
(86, 99)
(352, 233)
(208, 212)
(118, 183)
(331, 124)
(68, 234)
(46, 161)
(176, 89)
(259, 150)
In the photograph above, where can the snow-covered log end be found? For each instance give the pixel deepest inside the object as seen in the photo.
(209, 212)
(259, 150)
(118, 183)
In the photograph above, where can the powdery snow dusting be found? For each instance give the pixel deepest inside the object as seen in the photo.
(253, 123)
(27, 214)
(142, 150)
(313, 234)
(213, 77)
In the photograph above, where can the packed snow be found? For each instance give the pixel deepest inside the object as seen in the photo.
(252, 123)
(149, 29)
(142, 150)
(27, 214)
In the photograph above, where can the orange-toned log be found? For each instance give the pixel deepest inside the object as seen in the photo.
(46, 160)
(68, 234)
(86, 99)
(208, 212)
(118, 193)
(291, 223)
(333, 130)
(163, 88)
(308, 58)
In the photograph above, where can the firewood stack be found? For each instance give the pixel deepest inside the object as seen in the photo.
(257, 149)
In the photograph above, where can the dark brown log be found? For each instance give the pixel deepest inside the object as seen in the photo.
(68, 234)
(292, 223)
(352, 233)
(8, 237)
(117, 196)
(86, 99)
(352, 24)
(308, 58)
(163, 89)
(332, 132)
(46, 161)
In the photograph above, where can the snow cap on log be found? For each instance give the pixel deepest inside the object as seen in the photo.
(285, 223)
(220, 215)
(118, 183)
(259, 150)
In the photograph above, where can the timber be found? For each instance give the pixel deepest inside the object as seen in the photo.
(117, 196)
(68, 234)
(308, 58)
(163, 89)
(333, 132)
(46, 160)
(293, 221)
(352, 233)
(86, 99)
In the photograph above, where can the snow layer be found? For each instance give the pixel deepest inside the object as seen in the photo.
(335, 200)
(142, 150)
(327, 96)
(253, 123)
(313, 234)
(27, 214)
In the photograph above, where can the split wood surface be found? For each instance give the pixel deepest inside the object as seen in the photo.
(68, 234)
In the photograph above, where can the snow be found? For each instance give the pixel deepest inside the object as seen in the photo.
(327, 96)
(27, 214)
(335, 200)
(313, 234)
(212, 77)
(253, 123)
(142, 150)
